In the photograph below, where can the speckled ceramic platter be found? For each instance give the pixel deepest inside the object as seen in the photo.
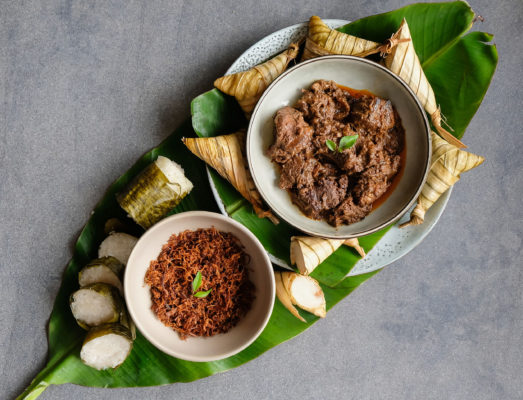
(396, 242)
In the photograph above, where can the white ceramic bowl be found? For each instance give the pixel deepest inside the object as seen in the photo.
(356, 73)
(138, 297)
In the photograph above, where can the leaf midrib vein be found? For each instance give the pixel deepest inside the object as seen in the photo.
(442, 50)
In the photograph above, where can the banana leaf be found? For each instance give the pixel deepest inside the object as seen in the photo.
(146, 365)
(460, 69)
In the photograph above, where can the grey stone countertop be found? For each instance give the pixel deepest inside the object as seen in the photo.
(87, 87)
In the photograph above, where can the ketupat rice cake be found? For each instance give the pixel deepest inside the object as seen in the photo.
(105, 270)
(159, 188)
(96, 304)
(106, 346)
(118, 245)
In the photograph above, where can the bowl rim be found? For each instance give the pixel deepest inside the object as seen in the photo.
(147, 332)
(421, 110)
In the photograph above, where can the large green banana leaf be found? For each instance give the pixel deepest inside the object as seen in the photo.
(147, 366)
(460, 70)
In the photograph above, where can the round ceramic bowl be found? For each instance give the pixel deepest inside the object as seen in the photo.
(356, 73)
(138, 296)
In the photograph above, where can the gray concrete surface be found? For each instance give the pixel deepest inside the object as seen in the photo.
(87, 87)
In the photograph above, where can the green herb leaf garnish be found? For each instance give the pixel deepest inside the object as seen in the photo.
(347, 142)
(331, 145)
(202, 294)
(197, 282)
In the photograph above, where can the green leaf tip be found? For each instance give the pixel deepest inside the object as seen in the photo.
(202, 294)
(197, 281)
(331, 145)
(347, 142)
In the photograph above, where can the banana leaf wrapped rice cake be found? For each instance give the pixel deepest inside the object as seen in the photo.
(248, 86)
(307, 252)
(226, 154)
(104, 270)
(447, 164)
(98, 305)
(106, 346)
(118, 245)
(323, 41)
(404, 62)
(155, 192)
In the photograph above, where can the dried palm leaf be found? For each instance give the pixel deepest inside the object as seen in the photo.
(447, 163)
(404, 62)
(322, 41)
(249, 85)
(354, 243)
(307, 252)
(225, 155)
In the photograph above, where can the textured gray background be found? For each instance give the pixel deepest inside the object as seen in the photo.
(87, 87)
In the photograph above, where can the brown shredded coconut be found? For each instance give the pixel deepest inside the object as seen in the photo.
(221, 260)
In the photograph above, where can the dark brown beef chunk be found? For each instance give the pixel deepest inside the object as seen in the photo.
(393, 142)
(347, 212)
(298, 172)
(326, 193)
(314, 106)
(338, 187)
(293, 135)
(374, 181)
(374, 114)
(324, 101)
